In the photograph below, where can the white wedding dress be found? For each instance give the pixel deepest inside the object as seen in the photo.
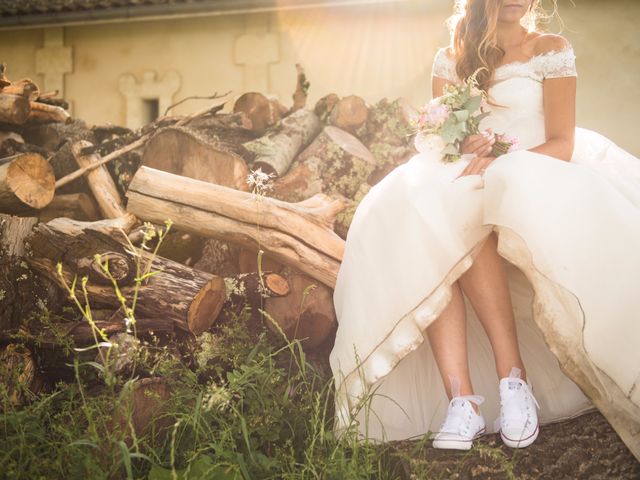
(570, 236)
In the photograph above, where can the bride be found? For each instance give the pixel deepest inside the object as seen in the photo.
(498, 288)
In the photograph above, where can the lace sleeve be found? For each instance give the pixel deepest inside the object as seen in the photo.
(558, 64)
(443, 66)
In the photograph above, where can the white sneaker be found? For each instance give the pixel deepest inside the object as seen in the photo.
(462, 424)
(518, 416)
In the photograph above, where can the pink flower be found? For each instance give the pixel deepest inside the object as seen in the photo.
(434, 114)
(513, 140)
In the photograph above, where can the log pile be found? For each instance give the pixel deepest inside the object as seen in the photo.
(259, 198)
(264, 190)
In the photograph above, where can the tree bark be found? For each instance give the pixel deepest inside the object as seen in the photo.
(100, 182)
(336, 162)
(26, 182)
(16, 283)
(276, 150)
(43, 113)
(325, 105)
(298, 234)
(190, 298)
(185, 152)
(388, 136)
(78, 206)
(24, 88)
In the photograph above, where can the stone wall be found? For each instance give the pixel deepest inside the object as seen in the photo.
(374, 51)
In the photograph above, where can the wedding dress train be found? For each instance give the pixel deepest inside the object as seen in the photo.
(569, 233)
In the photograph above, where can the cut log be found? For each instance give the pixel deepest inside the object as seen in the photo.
(16, 287)
(26, 182)
(296, 234)
(78, 206)
(25, 88)
(336, 162)
(349, 113)
(261, 111)
(388, 136)
(183, 151)
(220, 257)
(325, 105)
(276, 150)
(306, 313)
(14, 109)
(43, 113)
(100, 182)
(248, 287)
(190, 298)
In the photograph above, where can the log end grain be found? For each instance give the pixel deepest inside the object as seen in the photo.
(276, 283)
(206, 306)
(30, 178)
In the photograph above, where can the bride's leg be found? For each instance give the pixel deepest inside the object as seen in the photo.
(448, 339)
(485, 283)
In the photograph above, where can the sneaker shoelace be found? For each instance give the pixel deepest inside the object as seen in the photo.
(457, 419)
(513, 399)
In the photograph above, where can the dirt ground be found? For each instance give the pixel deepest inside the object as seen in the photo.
(586, 447)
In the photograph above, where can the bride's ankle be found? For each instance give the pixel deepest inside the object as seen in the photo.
(518, 371)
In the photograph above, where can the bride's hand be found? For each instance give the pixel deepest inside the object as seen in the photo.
(477, 166)
(480, 144)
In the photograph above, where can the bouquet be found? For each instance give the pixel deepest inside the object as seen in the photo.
(457, 114)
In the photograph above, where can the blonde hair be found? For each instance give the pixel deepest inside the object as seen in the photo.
(473, 28)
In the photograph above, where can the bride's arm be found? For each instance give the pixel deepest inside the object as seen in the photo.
(559, 97)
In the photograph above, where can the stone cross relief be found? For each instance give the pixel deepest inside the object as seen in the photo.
(54, 60)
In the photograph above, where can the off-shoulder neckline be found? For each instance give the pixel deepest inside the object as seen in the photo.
(534, 57)
(520, 62)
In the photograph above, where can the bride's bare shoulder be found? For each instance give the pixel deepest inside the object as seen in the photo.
(550, 42)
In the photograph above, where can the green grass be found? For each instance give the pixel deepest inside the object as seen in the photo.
(245, 409)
